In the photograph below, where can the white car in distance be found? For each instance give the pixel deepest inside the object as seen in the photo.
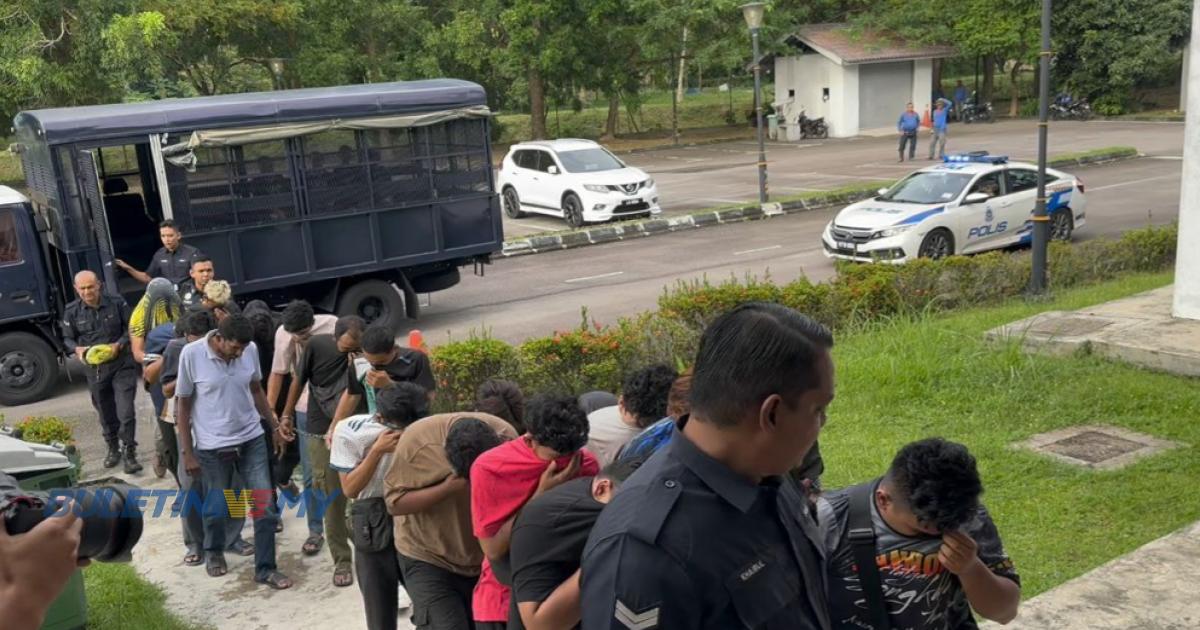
(578, 180)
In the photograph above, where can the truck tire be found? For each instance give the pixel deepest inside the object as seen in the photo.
(28, 368)
(376, 301)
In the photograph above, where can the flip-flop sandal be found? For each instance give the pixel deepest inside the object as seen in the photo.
(343, 577)
(193, 560)
(242, 548)
(216, 567)
(312, 545)
(275, 580)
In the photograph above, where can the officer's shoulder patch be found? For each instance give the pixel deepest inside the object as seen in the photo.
(644, 620)
(659, 499)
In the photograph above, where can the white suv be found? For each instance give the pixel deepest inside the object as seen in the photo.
(578, 180)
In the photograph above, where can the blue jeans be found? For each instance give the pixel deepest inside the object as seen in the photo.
(193, 517)
(316, 524)
(218, 472)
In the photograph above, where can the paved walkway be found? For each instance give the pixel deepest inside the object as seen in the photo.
(1152, 588)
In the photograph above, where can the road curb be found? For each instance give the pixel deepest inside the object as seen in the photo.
(630, 230)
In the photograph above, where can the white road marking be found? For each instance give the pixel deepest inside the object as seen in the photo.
(1091, 189)
(756, 250)
(1165, 157)
(586, 278)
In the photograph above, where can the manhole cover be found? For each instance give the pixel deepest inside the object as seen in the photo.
(1097, 446)
(1093, 446)
(1068, 326)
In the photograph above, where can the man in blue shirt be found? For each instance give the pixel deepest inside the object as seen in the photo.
(960, 97)
(907, 126)
(940, 120)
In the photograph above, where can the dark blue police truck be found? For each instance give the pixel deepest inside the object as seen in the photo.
(355, 198)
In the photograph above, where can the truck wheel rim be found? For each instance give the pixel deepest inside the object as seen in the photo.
(17, 370)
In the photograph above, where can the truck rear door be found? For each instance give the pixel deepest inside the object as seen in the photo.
(89, 185)
(24, 289)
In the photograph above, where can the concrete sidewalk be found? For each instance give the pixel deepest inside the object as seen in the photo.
(1138, 330)
(234, 601)
(1152, 588)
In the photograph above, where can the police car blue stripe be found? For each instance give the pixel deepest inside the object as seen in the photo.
(917, 218)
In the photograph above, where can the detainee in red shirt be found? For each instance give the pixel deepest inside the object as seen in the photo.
(507, 477)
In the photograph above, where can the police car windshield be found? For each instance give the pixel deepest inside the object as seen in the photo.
(927, 187)
(589, 161)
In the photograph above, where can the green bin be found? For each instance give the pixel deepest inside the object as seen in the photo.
(43, 468)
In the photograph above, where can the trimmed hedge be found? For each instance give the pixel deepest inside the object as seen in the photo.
(597, 356)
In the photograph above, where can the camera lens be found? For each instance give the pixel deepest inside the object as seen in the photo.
(110, 527)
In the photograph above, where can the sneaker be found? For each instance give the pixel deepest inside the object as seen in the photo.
(114, 456)
(131, 463)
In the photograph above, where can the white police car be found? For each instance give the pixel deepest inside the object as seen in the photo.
(969, 203)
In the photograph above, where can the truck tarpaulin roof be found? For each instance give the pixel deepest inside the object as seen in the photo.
(255, 109)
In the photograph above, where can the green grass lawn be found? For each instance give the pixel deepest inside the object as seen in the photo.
(118, 599)
(907, 379)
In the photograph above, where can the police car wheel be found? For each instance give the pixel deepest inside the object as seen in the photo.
(1062, 225)
(937, 244)
(28, 369)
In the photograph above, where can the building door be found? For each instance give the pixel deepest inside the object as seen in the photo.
(883, 90)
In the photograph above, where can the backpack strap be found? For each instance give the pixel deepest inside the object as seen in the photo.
(862, 541)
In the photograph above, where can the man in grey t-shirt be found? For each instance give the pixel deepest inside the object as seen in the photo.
(220, 400)
(937, 549)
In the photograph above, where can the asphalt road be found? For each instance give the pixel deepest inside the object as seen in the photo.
(535, 295)
(691, 178)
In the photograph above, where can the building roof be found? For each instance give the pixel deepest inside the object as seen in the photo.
(844, 47)
(73, 124)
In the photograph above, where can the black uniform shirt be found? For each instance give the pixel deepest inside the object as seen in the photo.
(689, 544)
(86, 326)
(173, 266)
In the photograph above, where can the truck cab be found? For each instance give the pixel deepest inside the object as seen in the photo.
(29, 347)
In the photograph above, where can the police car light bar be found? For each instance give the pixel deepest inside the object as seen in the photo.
(980, 157)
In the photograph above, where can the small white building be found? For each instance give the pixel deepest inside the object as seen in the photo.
(856, 81)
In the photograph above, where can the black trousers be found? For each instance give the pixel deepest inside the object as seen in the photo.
(379, 580)
(441, 599)
(911, 139)
(112, 386)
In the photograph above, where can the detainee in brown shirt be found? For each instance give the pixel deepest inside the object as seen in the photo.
(441, 534)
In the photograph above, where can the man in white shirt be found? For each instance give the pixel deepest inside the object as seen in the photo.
(643, 402)
(362, 454)
(220, 401)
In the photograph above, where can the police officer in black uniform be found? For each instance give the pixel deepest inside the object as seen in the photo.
(96, 319)
(172, 261)
(711, 533)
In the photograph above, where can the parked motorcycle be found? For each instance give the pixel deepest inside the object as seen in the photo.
(974, 111)
(812, 127)
(1071, 110)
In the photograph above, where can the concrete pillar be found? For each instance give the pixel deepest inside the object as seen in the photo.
(1183, 80)
(1187, 262)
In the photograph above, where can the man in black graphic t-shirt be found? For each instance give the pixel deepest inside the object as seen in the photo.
(937, 549)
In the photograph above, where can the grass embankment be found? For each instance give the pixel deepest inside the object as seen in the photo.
(119, 599)
(909, 379)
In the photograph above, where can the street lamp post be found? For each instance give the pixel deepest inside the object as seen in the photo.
(276, 65)
(1041, 219)
(753, 12)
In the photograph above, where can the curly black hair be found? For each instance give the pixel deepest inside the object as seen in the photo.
(466, 441)
(502, 399)
(557, 422)
(645, 393)
(401, 404)
(938, 481)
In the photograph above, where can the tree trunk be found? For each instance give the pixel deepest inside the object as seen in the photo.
(937, 76)
(989, 77)
(537, 104)
(1014, 103)
(682, 67)
(614, 115)
(372, 69)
